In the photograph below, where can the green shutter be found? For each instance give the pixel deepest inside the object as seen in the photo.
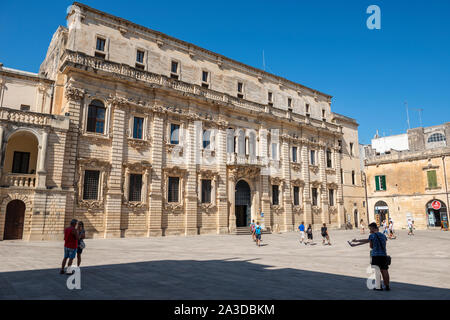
(383, 182)
(432, 180)
(377, 183)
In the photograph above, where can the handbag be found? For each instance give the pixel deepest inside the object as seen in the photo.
(82, 244)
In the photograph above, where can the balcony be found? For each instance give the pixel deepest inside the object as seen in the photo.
(242, 159)
(18, 180)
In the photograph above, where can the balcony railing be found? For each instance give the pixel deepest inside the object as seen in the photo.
(242, 159)
(19, 180)
(33, 118)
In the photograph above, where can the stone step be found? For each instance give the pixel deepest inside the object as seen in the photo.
(246, 231)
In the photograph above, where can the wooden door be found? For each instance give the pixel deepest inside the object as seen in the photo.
(15, 216)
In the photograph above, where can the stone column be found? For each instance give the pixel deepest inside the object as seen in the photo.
(231, 198)
(340, 193)
(307, 212)
(221, 180)
(286, 186)
(113, 201)
(156, 197)
(191, 201)
(74, 108)
(41, 173)
(323, 185)
(1, 150)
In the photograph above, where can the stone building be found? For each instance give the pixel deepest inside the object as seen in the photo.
(161, 137)
(407, 177)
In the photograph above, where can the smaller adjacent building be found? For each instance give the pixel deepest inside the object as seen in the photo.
(408, 177)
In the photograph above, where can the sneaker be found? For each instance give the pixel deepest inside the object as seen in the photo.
(387, 288)
(381, 289)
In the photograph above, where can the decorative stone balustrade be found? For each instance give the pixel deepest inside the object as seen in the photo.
(33, 118)
(19, 180)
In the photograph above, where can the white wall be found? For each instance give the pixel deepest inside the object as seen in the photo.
(397, 142)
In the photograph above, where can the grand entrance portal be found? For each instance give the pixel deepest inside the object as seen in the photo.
(242, 204)
(15, 215)
(381, 212)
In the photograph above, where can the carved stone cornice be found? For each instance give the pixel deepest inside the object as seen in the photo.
(73, 93)
(96, 163)
(139, 144)
(117, 101)
(332, 185)
(175, 171)
(276, 181)
(330, 171)
(207, 207)
(315, 184)
(316, 210)
(138, 166)
(91, 205)
(208, 174)
(314, 168)
(237, 172)
(98, 139)
(276, 208)
(297, 209)
(173, 206)
(298, 183)
(296, 166)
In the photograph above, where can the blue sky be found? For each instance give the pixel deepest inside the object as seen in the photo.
(321, 44)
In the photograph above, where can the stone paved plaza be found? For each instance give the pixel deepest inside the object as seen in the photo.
(227, 267)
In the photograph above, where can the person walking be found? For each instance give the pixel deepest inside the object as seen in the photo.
(252, 230)
(81, 244)
(325, 235)
(309, 234)
(378, 253)
(385, 228)
(361, 224)
(301, 229)
(70, 245)
(391, 229)
(410, 228)
(258, 231)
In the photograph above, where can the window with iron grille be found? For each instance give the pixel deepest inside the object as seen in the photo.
(275, 199)
(206, 191)
(174, 133)
(435, 137)
(173, 189)
(91, 183)
(314, 196)
(296, 195)
(135, 187)
(96, 117)
(138, 127)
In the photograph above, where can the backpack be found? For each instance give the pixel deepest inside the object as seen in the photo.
(252, 227)
(258, 230)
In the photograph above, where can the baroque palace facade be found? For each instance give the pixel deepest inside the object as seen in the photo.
(140, 134)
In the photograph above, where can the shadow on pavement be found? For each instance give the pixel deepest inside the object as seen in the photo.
(192, 279)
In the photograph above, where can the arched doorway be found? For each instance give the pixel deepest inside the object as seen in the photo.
(436, 216)
(356, 218)
(381, 212)
(15, 216)
(242, 204)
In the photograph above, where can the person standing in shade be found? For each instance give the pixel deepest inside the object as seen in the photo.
(378, 253)
(258, 231)
(325, 235)
(301, 229)
(309, 233)
(81, 244)
(252, 230)
(70, 244)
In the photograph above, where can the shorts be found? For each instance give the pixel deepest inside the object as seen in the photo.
(324, 236)
(310, 236)
(258, 237)
(302, 234)
(69, 253)
(380, 261)
(79, 251)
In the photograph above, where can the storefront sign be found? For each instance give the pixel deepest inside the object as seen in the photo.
(436, 205)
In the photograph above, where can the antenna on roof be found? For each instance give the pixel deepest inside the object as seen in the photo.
(420, 115)
(407, 114)
(264, 62)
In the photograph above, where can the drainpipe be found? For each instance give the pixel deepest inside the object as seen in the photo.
(446, 187)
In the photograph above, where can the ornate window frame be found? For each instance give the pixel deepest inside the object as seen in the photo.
(106, 132)
(207, 175)
(93, 164)
(107, 42)
(180, 173)
(276, 181)
(143, 168)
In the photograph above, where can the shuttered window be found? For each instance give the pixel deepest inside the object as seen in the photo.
(432, 179)
(380, 183)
